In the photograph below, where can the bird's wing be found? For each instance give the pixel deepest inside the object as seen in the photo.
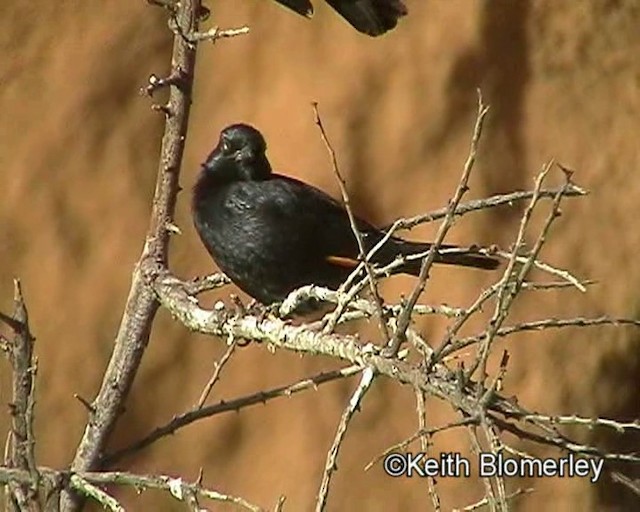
(372, 17)
(323, 219)
(302, 7)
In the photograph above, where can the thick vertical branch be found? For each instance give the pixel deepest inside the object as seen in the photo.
(141, 306)
(22, 441)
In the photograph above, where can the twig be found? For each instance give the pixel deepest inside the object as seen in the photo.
(629, 483)
(88, 489)
(236, 404)
(541, 325)
(563, 443)
(619, 426)
(216, 33)
(498, 200)
(423, 432)
(498, 288)
(563, 274)
(215, 376)
(496, 447)
(373, 283)
(421, 410)
(462, 188)
(280, 504)
(11, 322)
(444, 348)
(178, 488)
(364, 306)
(476, 447)
(484, 501)
(508, 292)
(332, 455)
(533, 286)
(206, 283)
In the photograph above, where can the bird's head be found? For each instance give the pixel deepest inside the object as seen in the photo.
(239, 156)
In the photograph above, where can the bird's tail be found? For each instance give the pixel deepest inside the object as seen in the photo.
(372, 17)
(414, 253)
(302, 7)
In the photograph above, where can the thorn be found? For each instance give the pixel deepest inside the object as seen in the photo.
(162, 108)
(172, 228)
(505, 359)
(566, 170)
(154, 82)
(11, 322)
(84, 402)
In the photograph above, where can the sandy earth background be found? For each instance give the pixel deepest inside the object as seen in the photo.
(78, 153)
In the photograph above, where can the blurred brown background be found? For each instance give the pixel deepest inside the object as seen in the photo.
(78, 151)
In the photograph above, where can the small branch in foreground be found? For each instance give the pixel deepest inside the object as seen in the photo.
(92, 491)
(541, 325)
(206, 283)
(360, 308)
(629, 483)
(509, 287)
(178, 488)
(332, 455)
(461, 189)
(216, 33)
(498, 200)
(485, 501)
(423, 432)
(215, 376)
(476, 448)
(425, 441)
(373, 283)
(236, 404)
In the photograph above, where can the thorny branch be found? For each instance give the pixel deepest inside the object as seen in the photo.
(461, 189)
(89, 483)
(373, 283)
(332, 456)
(21, 441)
(135, 327)
(261, 397)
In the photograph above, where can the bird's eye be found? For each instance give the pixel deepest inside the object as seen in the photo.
(226, 146)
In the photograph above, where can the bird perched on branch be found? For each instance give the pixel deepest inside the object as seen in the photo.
(372, 17)
(271, 234)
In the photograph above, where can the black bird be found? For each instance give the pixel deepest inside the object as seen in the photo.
(272, 234)
(372, 17)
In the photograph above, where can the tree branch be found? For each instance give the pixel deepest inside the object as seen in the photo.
(86, 482)
(261, 397)
(21, 440)
(141, 306)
